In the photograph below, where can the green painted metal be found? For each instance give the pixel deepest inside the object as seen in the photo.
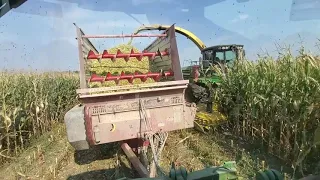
(224, 53)
(269, 174)
(211, 80)
(227, 171)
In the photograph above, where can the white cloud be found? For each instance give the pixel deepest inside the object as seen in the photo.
(116, 24)
(138, 2)
(243, 16)
(240, 17)
(303, 5)
(185, 10)
(94, 23)
(9, 36)
(103, 19)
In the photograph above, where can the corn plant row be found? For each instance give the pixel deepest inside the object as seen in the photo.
(29, 104)
(277, 104)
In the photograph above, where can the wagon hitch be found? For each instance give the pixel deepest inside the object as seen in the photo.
(136, 163)
(146, 168)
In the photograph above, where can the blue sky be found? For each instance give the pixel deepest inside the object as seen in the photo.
(40, 34)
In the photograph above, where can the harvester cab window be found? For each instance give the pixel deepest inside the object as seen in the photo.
(207, 59)
(230, 55)
(219, 56)
(205, 63)
(208, 55)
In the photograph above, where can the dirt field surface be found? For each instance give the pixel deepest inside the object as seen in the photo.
(51, 157)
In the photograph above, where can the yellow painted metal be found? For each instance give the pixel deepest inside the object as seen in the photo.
(204, 121)
(179, 30)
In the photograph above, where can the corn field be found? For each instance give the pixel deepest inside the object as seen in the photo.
(272, 102)
(30, 103)
(276, 103)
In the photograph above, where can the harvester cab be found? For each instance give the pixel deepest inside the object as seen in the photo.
(205, 76)
(221, 56)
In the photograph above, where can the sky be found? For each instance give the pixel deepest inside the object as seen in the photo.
(40, 34)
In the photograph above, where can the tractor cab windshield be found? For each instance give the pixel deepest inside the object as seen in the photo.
(215, 56)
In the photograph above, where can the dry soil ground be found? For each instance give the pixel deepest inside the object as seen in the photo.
(50, 156)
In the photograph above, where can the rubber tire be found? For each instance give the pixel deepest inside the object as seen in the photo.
(261, 176)
(270, 174)
(277, 174)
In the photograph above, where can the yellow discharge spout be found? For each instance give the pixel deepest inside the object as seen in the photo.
(179, 30)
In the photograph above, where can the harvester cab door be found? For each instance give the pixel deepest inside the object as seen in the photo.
(231, 56)
(220, 59)
(206, 62)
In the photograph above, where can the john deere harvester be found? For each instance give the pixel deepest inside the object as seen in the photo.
(204, 74)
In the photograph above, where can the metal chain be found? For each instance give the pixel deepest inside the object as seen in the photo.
(145, 117)
(157, 140)
(156, 151)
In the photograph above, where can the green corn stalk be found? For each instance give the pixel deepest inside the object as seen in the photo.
(271, 101)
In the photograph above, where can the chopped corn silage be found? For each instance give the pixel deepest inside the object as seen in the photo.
(103, 66)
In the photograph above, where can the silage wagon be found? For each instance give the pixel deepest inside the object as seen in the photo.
(137, 116)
